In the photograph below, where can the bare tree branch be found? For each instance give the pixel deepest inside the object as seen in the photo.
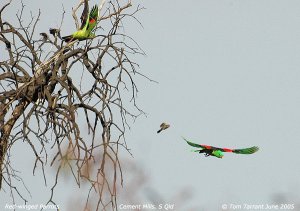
(45, 95)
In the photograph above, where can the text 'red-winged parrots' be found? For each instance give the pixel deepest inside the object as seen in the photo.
(219, 152)
(88, 23)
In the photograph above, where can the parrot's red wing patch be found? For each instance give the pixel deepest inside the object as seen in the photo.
(227, 150)
(205, 146)
(92, 20)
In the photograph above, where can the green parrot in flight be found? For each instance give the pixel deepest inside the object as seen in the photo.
(219, 152)
(88, 23)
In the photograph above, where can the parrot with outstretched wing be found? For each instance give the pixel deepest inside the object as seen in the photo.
(88, 23)
(219, 152)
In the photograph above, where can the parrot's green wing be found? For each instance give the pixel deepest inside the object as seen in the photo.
(92, 20)
(192, 144)
(203, 146)
(250, 150)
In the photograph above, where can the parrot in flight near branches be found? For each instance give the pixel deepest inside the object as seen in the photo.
(219, 152)
(88, 23)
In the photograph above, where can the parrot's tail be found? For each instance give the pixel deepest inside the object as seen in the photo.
(67, 38)
(250, 150)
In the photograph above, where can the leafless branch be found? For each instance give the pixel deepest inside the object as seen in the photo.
(44, 95)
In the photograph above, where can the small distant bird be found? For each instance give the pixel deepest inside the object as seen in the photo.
(44, 35)
(219, 152)
(8, 45)
(163, 126)
(54, 32)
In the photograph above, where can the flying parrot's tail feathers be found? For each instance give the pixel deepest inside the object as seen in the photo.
(191, 143)
(250, 150)
(67, 38)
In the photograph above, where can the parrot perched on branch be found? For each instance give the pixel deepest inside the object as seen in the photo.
(88, 23)
(219, 152)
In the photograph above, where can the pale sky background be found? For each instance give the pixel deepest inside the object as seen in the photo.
(228, 73)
